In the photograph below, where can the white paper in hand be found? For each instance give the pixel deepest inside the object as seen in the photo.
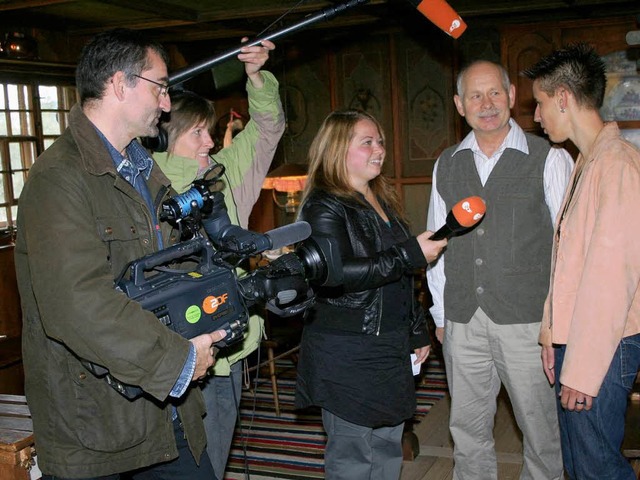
(414, 367)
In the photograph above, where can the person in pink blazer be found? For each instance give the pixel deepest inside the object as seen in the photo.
(590, 330)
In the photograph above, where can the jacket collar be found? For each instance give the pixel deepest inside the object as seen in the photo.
(324, 196)
(93, 152)
(348, 202)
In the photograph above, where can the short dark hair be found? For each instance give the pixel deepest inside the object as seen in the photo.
(578, 68)
(109, 52)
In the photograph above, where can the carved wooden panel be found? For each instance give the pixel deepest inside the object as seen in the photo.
(520, 50)
(425, 89)
(416, 204)
(524, 45)
(305, 92)
(606, 35)
(363, 82)
(305, 89)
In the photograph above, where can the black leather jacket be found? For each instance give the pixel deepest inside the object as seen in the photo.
(356, 306)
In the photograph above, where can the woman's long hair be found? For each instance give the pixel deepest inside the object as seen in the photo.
(328, 160)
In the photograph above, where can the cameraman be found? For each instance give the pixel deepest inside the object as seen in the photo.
(88, 208)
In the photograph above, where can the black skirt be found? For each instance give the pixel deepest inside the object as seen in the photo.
(364, 379)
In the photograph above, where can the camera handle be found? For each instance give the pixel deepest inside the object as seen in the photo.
(175, 252)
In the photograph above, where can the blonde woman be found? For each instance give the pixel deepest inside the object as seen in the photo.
(357, 340)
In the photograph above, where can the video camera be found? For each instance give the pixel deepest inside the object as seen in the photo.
(192, 287)
(282, 285)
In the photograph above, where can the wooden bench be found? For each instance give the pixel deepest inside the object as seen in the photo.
(16, 438)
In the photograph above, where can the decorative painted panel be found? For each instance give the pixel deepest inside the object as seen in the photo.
(416, 204)
(427, 116)
(363, 82)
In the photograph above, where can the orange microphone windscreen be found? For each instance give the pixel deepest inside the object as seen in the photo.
(443, 16)
(469, 211)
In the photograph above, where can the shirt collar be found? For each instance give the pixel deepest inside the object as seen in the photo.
(515, 139)
(136, 161)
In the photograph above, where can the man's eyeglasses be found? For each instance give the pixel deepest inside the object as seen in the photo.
(164, 88)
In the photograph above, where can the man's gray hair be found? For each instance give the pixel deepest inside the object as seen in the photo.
(506, 83)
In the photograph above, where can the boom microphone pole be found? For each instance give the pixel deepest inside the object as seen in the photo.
(193, 70)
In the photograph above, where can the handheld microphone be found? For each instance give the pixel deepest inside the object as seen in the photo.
(288, 234)
(464, 215)
(442, 15)
(235, 239)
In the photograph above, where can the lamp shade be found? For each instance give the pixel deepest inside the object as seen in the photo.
(290, 177)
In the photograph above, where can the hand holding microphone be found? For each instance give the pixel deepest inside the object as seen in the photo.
(431, 249)
(464, 215)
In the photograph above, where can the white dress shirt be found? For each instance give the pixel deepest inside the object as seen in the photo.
(557, 170)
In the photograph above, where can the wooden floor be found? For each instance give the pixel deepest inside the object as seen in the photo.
(435, 461)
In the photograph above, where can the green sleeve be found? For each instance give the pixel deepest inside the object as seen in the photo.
(249, 156)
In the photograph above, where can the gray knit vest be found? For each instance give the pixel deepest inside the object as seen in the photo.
(503, 264)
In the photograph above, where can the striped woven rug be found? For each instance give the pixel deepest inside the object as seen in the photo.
(291, 446)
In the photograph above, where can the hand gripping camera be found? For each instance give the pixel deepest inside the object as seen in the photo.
(192, 287)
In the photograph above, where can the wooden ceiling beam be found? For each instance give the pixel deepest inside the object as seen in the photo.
(166, 10)
(22, 4)
(201, 32)
(271, 11)
(133, 25)
(167, 21)
(211, 21)
(204, 35)
(496, 7)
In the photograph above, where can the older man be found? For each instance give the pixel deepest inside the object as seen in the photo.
(489, 286)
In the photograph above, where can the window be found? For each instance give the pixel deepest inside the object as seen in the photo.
(31, 118)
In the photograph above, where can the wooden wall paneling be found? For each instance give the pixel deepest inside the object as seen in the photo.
(606, 35)
(10, 312)
(263, 214)
(416, 204)
(363, 82)
(481, 41)
(305, 79)
(427, 113)
(305, 90)
(521, 48)
(395, 155)
(524, 45)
